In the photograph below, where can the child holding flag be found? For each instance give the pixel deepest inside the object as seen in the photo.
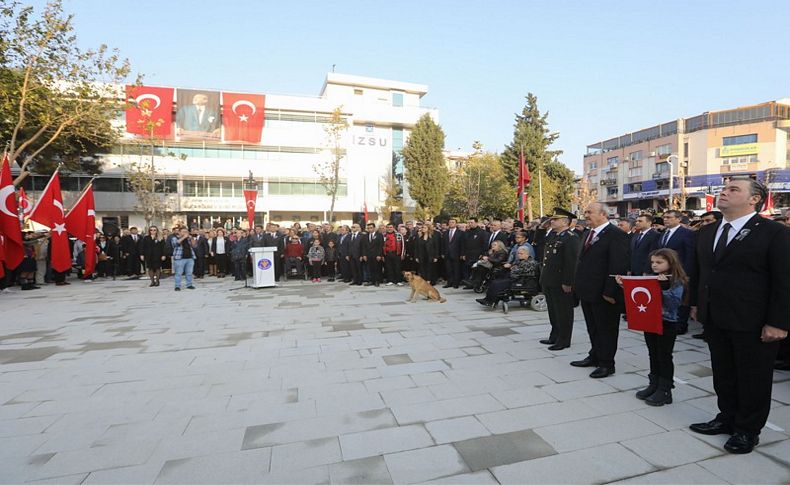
(673, 282)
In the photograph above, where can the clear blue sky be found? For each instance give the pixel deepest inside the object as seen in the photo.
(601, 68)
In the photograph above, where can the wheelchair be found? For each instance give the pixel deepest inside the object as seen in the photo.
(295, 269)
(524, 296)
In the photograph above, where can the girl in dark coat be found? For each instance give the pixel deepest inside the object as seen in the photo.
(153, 254)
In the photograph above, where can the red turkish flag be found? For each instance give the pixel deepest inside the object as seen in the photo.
(150, 111)
(243, 116)
(49, 212)
(13, 250)
(81, 223)
(24, 202)
(643, 303)
(250, 198)
(710, 202)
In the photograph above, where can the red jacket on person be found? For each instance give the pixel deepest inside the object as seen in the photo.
(393, 243)
(294, 248)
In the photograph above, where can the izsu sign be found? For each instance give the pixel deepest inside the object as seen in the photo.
(368, 136)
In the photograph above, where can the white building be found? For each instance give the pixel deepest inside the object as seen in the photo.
(205, 179)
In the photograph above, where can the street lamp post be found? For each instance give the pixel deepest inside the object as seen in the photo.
(671, 180)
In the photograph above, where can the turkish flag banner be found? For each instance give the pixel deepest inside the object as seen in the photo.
(24, 202)
(13, 251)
(150, 111)
(81, 223)
(243, 116)
(643, 303)
(710, 201)
(49, 212)
(250, 198)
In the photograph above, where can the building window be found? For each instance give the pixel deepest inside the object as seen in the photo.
(358, 92)
(664, 149)
(635, 156)
(612, 161)
(612, 191)
(397, 100)
(635, 172)
(739, 140)
(745, 159)
(593, 165)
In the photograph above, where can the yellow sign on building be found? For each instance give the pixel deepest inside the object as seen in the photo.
(738, 150)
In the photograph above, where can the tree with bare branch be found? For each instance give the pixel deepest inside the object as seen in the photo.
(328, 171)
(57, 101)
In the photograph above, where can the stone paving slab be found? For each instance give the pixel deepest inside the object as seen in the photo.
(115, 382)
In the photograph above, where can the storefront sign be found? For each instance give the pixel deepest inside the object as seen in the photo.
(738, 150)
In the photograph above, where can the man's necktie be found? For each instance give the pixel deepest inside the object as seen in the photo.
(589, 240)
(665, 238)
(721, 244)
(639, 238)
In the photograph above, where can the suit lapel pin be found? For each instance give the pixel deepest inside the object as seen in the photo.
(742, 234)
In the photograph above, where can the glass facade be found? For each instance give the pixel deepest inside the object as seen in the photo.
(739, 140)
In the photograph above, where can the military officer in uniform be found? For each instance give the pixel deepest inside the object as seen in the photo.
(561, 252)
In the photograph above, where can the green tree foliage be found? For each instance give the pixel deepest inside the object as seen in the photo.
(56, 103)
(426, 171)
(532, 135)
(480, 187)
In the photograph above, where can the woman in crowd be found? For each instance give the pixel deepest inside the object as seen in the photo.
(211, 261)
(492, 262)
(427, 252)
(153, 254)
(408, 249)
(220, 247)
(525, 271)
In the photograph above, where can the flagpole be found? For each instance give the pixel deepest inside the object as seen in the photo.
(82, 193)
(51, 178)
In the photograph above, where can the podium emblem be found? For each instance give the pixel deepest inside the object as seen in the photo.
(264, 264)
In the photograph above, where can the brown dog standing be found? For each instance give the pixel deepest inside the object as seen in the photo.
(421, 287)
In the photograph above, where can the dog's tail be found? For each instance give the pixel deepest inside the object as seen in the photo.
(442, 299)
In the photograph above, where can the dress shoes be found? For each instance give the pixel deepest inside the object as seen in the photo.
(558, 347)
(741, 443)
(711, 428)
(586, 362)
(548, 341)
(447, 286)
(601, 372)
(483, 302)
(468, 287)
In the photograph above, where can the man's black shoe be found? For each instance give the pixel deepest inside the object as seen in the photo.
(601, 372)
(468, 287)
(586, 362)
(447, 286)
(700, 336)
(711, 428)
(558, 347)
(178, 289)
(483, 301)
(548, 341)
(455, 286)
(190, 287)
(741, 443)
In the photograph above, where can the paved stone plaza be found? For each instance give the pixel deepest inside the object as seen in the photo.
(115, 382)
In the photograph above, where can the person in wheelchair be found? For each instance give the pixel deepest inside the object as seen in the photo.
(294, 252)
(524, 274)
(490, 264)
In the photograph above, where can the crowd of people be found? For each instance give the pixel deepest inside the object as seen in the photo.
(573, 262)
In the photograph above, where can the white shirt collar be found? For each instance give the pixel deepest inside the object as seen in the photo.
(601, 227)
(738, 223)
(645, 231)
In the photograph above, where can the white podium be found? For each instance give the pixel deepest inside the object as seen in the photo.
(263, 266)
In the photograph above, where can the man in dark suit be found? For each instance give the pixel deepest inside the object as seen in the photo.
(201, 249)
(132, 248)
(273, 238)
(342, 251)
(556, 278)
(496, 234)
(682, 240)
(473, 245)
(604, 252)
(740, 291)
(451, 252)
(643, 242)
(373, 253)
(354, 255)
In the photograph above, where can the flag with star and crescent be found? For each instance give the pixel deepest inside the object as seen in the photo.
(243, 116)
(149, 111)
(643, 303)
(49, 212)
(10, 234)
(81, 223)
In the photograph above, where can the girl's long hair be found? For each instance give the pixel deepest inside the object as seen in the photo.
(676, 271)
